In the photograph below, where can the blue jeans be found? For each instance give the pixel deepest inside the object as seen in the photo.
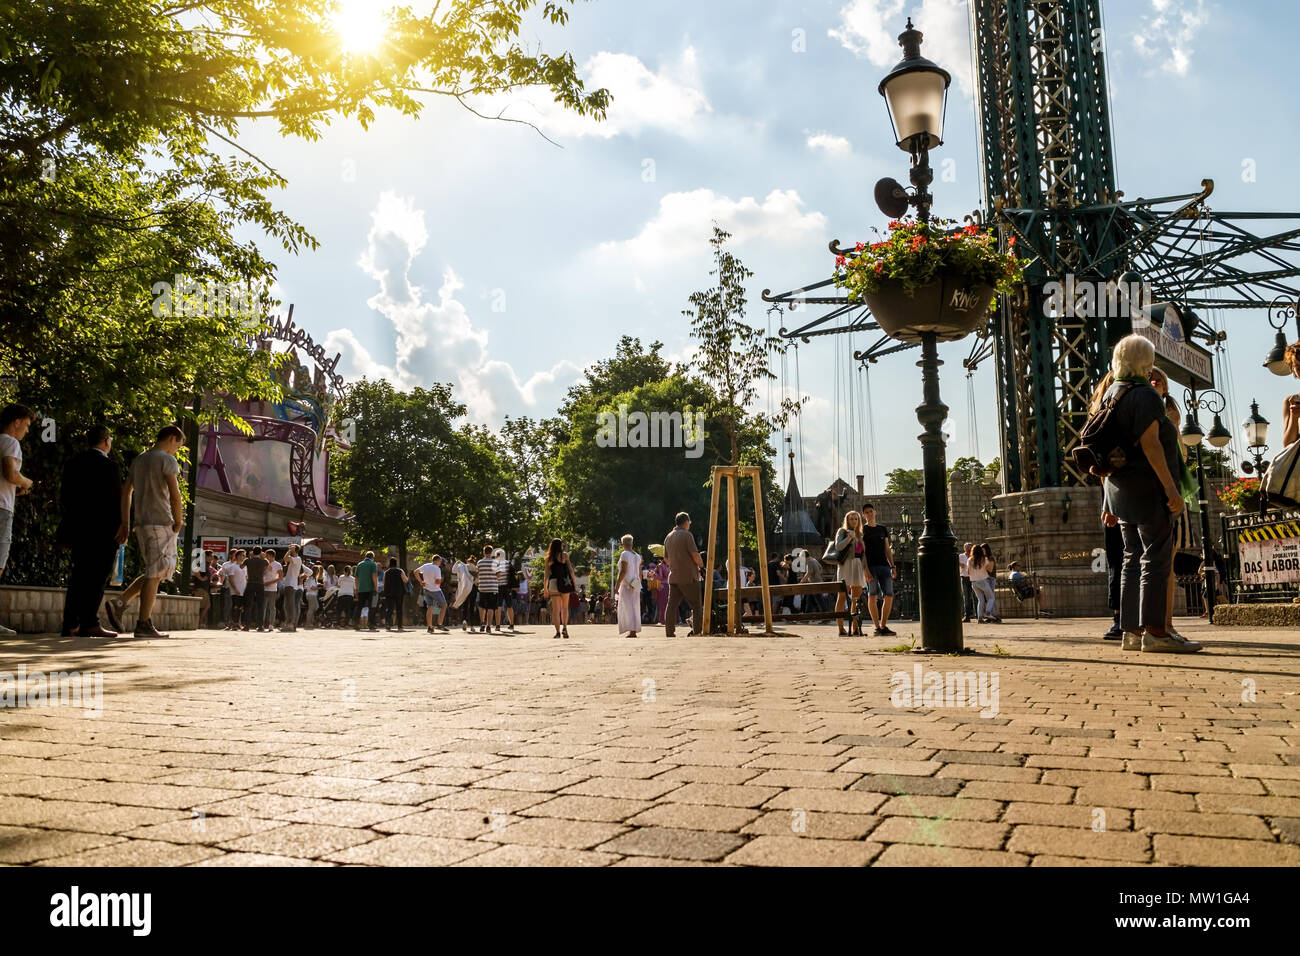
(985, 600)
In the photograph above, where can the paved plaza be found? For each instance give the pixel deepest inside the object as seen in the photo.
(339, 748)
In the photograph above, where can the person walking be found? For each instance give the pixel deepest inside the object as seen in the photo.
(152, 486)
(395, 581)
(852, 571)
(1144, 496)
(15, 420)
(429, 575)
(878, 559)
(628, 587)
(255, 589)
(1114, 539)
(234, 579)
(983, 579)
(509, 579)
(292, 588)
(347, 596)
(1291, 405)
(559, 585)
(91, 500)
(684, 567)
(489, 587)
(464, 586)
(313, 587)
(967, 592)
(367, 573)
(1182, 522)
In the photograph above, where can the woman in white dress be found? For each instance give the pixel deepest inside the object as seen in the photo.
(628, 589)
(464, 584)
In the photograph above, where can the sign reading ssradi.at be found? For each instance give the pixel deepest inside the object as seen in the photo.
(1270, 550)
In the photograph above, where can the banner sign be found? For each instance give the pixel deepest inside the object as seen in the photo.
(217, 545)
(276, 543)
(1270, 548)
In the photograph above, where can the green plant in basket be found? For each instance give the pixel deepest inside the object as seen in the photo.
(914, 254)
(1242, 494)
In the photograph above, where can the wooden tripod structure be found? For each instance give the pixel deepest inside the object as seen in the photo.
(732, 475)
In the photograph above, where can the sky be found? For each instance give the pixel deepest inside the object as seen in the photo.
(475, 252)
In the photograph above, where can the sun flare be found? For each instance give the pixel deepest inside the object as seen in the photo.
(360, 24)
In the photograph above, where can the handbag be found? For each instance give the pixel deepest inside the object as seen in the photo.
(563, 579)
(1281, 483)
(837, 557)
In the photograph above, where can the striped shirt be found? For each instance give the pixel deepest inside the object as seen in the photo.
(488, 578)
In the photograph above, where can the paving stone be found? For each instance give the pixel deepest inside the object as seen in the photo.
(548, 831)
(1069, 815)
(674, 843)
(918, 786)
(1202, 824)
(721, 795)
(624, 789)
(300, 839)
(694, 817)
(258, 859)
(804, 851)
(1080, 842)
(29, 844)
(406, 849)
(948, 808)
(136, 853)
(1188, 850)
(911, 854)
(826, 801)
(575, 807)
(940, 832)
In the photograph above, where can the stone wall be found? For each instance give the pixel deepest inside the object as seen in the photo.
(32, 610)
(1257, 615)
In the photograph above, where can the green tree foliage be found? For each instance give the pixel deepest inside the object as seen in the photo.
(904, 481)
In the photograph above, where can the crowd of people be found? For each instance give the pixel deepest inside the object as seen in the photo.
(1144, 515)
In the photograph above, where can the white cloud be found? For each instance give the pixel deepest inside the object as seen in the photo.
(1167, 32)
(685, 220)
(829, 143)
(670, 99)
(434, 342)
(870, 29)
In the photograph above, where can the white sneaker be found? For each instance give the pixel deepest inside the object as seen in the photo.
(1132, 641)
(7, 631)
(1170, 643)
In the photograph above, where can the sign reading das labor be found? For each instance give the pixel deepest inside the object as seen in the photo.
(1270, 550)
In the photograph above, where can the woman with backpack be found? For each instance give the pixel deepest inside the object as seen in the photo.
(559, 585)
(1141, 490)
(1182, 538)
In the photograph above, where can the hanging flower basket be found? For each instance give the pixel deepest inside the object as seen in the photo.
(1242, 495)
(927, 277)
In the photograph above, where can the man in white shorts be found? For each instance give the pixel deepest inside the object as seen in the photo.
(14, 422)
(159, 516)
(429, 575)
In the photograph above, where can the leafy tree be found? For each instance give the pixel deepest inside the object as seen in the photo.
(904, 481)
(732, 356)
(528, 447)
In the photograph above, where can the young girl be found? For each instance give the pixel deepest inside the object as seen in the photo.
(628, 589)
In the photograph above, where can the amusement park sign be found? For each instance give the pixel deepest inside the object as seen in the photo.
(285, 331)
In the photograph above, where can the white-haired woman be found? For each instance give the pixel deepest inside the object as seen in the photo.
(849, 543)
(628, 588)
(1143, 494)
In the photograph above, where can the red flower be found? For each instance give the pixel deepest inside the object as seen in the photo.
(859, 247)
(880, 266)
(840, 260)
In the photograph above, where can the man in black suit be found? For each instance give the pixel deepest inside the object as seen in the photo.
(91, 502)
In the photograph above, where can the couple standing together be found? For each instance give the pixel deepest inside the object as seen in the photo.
(684, 568)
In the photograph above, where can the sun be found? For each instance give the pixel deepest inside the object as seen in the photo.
(360, 24)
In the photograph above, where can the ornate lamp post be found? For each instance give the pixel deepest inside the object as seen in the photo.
(1279, 311)
(1193, 436)
(916, 94)
(1256, 429)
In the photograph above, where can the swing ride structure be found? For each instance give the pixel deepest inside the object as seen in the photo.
(1048, 173)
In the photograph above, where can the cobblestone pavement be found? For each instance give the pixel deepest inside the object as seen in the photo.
(332, 747)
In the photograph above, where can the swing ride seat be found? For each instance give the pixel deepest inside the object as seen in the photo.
(778, 591)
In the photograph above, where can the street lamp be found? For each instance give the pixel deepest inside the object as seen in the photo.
(916, 95)
(1256, 429)
(1279, 311)
(1065, 508)
(990, 513)
(1194, 436)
